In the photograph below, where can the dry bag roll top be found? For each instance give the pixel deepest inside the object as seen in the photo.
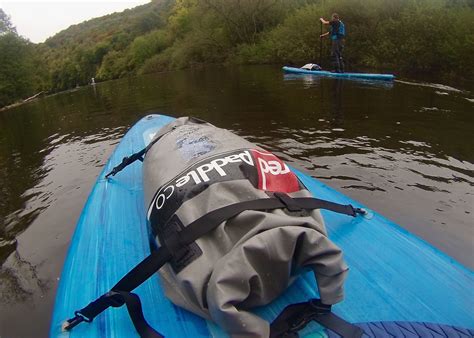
(196, 173)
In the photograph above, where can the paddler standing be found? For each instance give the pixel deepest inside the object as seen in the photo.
(337, 33)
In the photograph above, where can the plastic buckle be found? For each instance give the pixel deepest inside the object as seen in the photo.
(319, 307)
(289, 202)
(360, 211)
(313, 308)
(69, 324)
(114, 298)
(84, 318)
(299, 321)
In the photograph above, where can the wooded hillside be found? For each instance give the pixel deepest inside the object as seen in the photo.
(401, 36)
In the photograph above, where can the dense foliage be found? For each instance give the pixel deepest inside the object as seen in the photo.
(403, 36)
(17, 62)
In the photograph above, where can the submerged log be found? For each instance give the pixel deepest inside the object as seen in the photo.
(33, 97)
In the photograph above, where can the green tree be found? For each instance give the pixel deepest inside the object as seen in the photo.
(146, 46)
(245, 19)
(6, 25)
(16, 70)
(17, 58)
(407, 37)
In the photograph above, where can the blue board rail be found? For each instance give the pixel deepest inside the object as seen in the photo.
(367, 76)
(394, 276)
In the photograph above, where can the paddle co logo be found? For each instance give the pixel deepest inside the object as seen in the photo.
(263, 169)
(274, 174)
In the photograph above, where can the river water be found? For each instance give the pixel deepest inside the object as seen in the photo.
(404, 149)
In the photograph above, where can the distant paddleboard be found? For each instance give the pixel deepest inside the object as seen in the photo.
(367, 76)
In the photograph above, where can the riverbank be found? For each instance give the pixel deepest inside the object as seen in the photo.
(19, 103)
(465, 86)
(380, 35)
(421, 39)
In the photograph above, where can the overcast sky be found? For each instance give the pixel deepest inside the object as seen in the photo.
(39, 19)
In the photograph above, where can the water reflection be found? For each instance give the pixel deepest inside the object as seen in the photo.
(307, 79)
(336, 106)
(310, 80)
(20, 281)
(399, 148)
(50, 152)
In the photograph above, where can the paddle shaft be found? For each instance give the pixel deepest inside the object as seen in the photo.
(320, 43)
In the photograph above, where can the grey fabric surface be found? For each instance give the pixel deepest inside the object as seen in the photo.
(250, 259)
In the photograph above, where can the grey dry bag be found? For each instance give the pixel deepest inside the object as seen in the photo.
(194, 169)
(234, 227)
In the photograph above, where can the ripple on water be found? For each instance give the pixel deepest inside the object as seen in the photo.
(417, 172)
(364, 165)
(431, 85)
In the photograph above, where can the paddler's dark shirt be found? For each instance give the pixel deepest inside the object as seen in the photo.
(335, 30)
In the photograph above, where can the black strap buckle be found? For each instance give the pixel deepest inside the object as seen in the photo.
(73, 322)
(289, 202)
(114, 299)
(318, 307)
(299, 321)
(360, 211)
(313, 309)
(126, 161)
(296, 316)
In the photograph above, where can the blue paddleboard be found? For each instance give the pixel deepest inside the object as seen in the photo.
(398, 284)
(294, 70)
